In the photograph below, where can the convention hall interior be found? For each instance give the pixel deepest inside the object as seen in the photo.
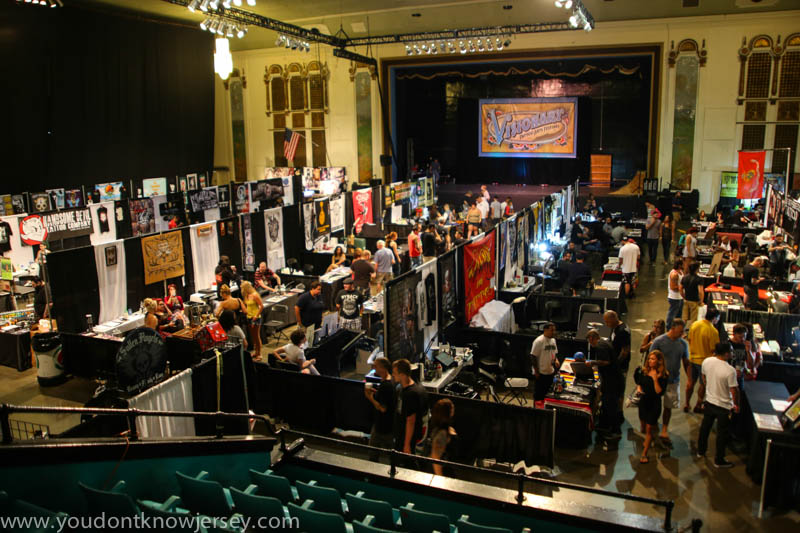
(465, 266)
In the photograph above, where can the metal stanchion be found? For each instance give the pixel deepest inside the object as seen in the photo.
(764, 478)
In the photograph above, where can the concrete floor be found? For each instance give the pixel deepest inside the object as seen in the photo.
(726, 500)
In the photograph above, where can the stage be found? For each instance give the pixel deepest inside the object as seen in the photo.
(521, 195)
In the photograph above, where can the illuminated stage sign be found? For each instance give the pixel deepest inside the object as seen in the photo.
(528, 127)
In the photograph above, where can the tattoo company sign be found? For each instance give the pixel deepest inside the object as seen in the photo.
(528, 127)
(35, 229)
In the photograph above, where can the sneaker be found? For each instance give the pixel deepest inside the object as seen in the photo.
(723, 464)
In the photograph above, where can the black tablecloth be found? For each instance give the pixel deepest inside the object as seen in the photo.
(15, 349)
(781, 372)
(607, 300)
(783, 474)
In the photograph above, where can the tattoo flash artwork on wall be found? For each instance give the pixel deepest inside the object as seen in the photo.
(273, 222)
(142, 217)
(403, 335)
(337, 213)
(162, 256)
(528, 127)
(362, 208)
(308, 224)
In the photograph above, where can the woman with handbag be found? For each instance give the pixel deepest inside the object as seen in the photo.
(659, 328)
(651, 383)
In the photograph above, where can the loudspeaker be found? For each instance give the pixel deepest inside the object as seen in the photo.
(375, 182)
(386, 160)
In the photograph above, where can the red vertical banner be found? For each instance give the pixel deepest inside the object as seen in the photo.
(362, 208)
(479, 265)
(751, 175)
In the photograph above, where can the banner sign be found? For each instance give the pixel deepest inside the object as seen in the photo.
(154, 187)
(337, 213)
(399, 192)
(35, 229)
(322, 217)
(162, 256)
(403, 336)
(362, 208)
(203, 199)
(528, 127)
(273, 221)
(751, 175)
(729, 186)
(479, 264)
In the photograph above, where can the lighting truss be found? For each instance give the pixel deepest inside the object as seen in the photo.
(223, 27)
(292, 43)
(42, 3)
(464, 46)
(583, 17)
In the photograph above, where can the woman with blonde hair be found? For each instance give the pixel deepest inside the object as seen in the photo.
(254, 306)
(651, 383)
(150, 319)
(228, 303)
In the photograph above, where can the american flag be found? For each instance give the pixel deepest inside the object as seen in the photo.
(290, 140)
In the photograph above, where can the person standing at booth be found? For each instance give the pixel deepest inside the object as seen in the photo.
(309, 309)
(545, 361)
(719, 379)
(674, 292)
(348, 302)
(415, 246)
(689, 248)
(430, 239)
(384, 261)
(254, 305)
(653, 227)
(693, 293)
(629, 256)
(703, 337)
(411, 408)
(604, 357)
(383, 400)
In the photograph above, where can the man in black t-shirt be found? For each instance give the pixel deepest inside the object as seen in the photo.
(751, 276)
(411, 408)
(363, 272)
(309, 309)
(348, 302)
(382, 399)
(578, 274)
(693, 293)
(430, 240)
(40, 299)
(604, 357)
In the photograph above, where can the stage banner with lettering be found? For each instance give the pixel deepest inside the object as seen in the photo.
(528, 127)
(751, 175)
(362, 208)
(162, 256)
(479, 264)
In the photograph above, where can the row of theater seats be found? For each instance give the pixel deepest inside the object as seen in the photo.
(270, 496)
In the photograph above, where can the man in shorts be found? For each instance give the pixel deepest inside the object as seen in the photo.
(629, 257)
(676, 354)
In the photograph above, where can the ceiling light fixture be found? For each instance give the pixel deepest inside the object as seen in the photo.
(227, 28)
(223, 61)
(193, 5)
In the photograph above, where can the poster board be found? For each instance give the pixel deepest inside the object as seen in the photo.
(528, 127)
(162, 256)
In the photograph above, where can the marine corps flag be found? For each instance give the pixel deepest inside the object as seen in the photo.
(751, 175)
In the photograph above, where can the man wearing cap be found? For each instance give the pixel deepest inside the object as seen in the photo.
(629, 257)
(653, 227)
(348, 302)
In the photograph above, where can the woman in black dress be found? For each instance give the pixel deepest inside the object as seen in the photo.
(651, 383)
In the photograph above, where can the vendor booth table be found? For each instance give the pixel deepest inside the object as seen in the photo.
(781, 482)
(576, 405)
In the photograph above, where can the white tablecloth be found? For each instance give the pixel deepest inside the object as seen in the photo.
(494, 315)
(122, 325)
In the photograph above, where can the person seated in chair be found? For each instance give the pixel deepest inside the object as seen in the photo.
(294, 352)
(563, 268)
(265, 279)
(580, 275)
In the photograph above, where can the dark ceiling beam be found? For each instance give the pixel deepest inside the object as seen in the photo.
(467, 33)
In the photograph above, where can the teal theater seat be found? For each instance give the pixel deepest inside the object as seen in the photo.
(12, 507)
(465, 526)
(382, 513)
(415, 521)
(326, 500)
(317, 522)
(114, 502)
(253, 506)
(366, 526)
(203, 496)
(270, 484)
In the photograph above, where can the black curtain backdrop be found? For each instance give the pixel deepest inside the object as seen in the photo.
(91, 97)
(439, 115)
(74, 287)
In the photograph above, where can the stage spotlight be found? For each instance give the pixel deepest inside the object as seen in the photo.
(241, 31)
(213, 4)
(193, 5)
(480, 45)
(488, 45)
(506, 43)
(409, 51)
(573, 20)
(251, 2)
(279, 40)
(204, 6)
(237, 3)
(462, 47)
(229, 31)
(226, 4)
(568, 4)
(587, 26)
(204, 24)
(559, 3)
(443, 47)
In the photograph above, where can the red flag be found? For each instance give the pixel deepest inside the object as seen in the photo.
(751, 175)
(479, 263)
(362, 208)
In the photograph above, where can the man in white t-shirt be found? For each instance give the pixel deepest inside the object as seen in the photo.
(722, 397)
(545, 361)
(294, 353)
(483, 207)
(629, 257)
